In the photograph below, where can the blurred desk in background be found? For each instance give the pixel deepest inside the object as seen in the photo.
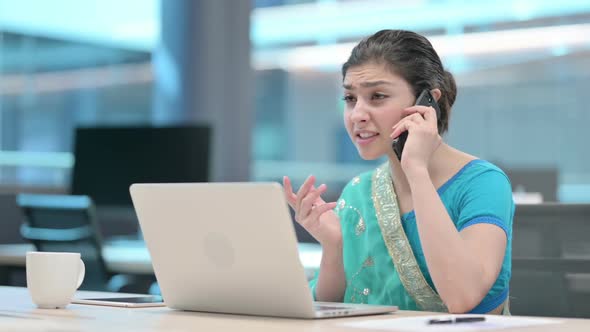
(551, 260)
(542, 183)
(568, 264)
(132, 256)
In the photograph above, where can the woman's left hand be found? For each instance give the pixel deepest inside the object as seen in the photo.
(423, 139)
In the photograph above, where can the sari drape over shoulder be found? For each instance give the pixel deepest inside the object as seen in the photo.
(383, 258)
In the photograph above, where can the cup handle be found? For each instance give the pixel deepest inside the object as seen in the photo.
(81, 273)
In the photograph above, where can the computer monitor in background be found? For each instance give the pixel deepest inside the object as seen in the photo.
(109, 159)
(543, 181)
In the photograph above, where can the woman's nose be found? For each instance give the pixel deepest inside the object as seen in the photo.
(359, 113)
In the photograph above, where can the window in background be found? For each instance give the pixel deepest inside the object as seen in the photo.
(522, 68)
(64, 65)
(48, 87)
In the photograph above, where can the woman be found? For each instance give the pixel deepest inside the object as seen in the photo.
(430, 232)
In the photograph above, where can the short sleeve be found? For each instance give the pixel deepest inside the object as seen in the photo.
(487, 199)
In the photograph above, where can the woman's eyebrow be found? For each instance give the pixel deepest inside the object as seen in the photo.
(368, 84)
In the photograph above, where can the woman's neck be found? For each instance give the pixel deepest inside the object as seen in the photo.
(443, 163)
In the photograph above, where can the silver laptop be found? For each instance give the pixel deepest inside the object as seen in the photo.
(229, 248)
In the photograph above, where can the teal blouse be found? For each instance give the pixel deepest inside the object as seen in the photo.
(479, 193)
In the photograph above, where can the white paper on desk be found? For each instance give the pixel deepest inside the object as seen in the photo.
(420, 323)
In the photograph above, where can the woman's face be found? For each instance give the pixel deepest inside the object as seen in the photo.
(374, 98)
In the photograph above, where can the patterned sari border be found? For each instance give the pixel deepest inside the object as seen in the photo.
(398, 246)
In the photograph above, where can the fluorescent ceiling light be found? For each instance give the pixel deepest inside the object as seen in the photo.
(76, 79)
(333, 21)
(549, 41)
(331, 57)
(135, 24)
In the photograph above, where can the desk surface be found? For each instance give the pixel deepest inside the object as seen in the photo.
(132, 256)
(18, 313)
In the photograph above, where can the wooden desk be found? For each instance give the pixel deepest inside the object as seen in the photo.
(18, 313)
(569, 264)
(132, 256)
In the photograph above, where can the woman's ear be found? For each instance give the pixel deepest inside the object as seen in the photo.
(436, 94)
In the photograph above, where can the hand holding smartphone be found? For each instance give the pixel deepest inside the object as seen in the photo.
(424, 99)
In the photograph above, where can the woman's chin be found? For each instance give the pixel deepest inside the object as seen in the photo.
(368, 155)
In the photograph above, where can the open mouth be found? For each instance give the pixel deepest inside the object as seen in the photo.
(367, 135)
(366, 138)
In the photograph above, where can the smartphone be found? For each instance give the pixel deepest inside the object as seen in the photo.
(127, 302)
(425, 99)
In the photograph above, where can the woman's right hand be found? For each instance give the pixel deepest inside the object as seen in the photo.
(313, 213)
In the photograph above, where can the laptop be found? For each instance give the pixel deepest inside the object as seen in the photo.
(229, 248)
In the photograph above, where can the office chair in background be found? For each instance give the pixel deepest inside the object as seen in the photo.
(68, 223)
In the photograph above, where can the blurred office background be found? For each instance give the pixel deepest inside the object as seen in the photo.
(522, 68)
(265, 76)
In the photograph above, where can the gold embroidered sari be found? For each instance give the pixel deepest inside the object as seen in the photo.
(375, 242)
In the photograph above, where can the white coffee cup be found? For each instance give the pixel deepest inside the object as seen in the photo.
(53, 277)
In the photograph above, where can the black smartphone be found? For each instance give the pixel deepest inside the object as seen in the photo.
(425, 99)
